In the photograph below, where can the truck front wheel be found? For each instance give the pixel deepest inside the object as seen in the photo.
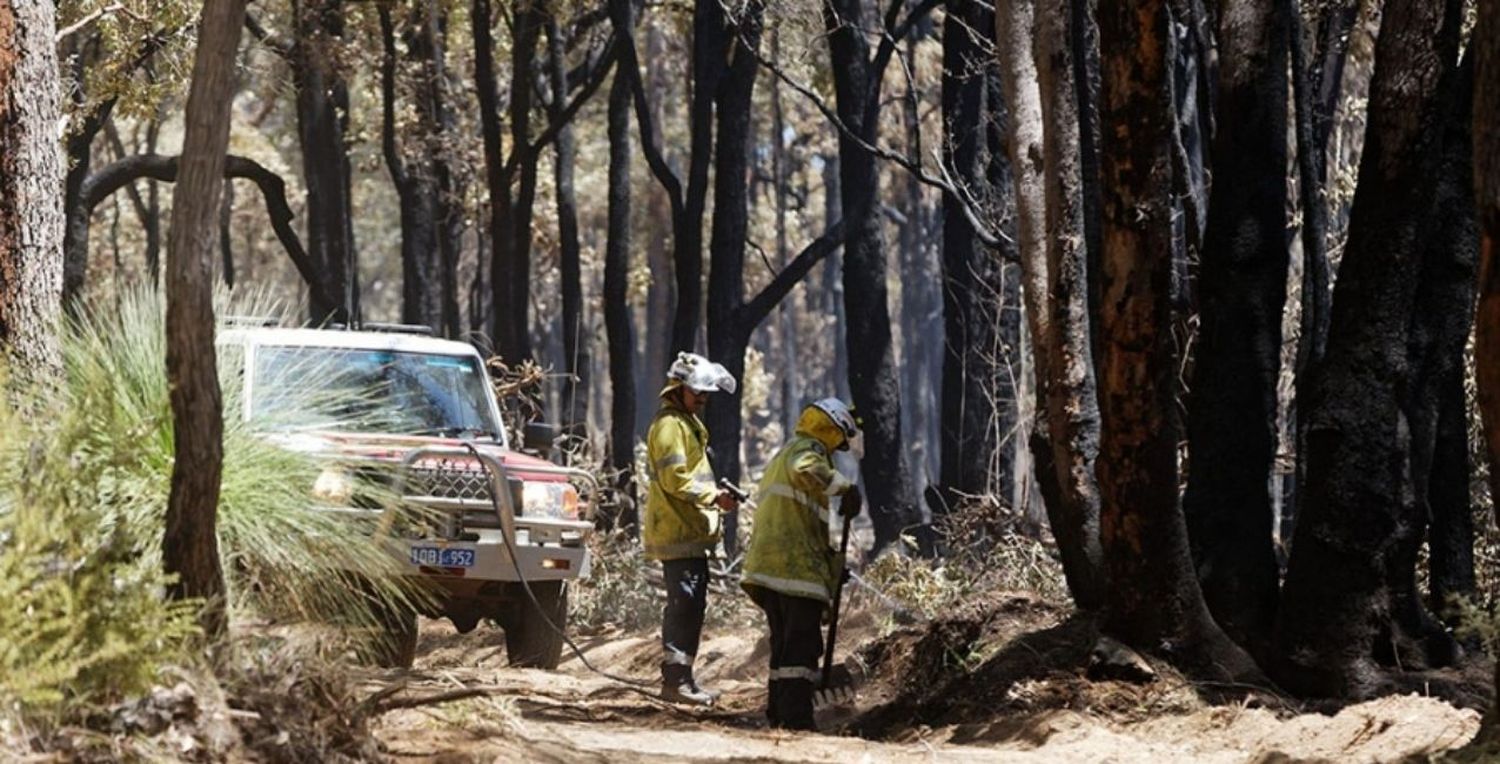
(530, 641)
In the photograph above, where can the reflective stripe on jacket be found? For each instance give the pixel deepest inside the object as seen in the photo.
(679, 521)
(789, 550)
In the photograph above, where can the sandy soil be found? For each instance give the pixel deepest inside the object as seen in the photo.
(1006, 687)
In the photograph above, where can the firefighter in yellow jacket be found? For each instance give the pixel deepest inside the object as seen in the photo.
(681, 524)
(791, 571)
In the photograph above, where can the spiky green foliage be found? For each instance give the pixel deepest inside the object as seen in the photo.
(82, 616)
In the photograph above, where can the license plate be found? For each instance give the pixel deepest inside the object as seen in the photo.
(442, 558)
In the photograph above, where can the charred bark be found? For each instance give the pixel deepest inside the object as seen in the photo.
(1357, 514)
(1036, 62)
(617, 323)
(1486, 47)
(872, 375)
(190, 546)
(1154, 602)
(1231, 425)
(322, 121)
(79, 149)
(31, 171)
(510, 274)
(226, 245)
(496, 183)
(728, 332)
(662, 210)
(413, 176)
(575, 398)
(710, 42)
(1440, 325)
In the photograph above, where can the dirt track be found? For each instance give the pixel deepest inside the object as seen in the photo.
(574, 715)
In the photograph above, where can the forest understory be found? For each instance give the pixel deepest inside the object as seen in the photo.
(1008, 676)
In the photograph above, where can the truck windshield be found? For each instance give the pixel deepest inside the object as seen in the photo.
(382, 391)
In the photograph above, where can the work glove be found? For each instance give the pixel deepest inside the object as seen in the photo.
(853, 502)
(726, 501)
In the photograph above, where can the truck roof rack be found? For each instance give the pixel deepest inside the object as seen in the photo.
(251, 320)
(380, 326)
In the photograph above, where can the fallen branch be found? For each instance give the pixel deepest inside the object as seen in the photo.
(426, 700)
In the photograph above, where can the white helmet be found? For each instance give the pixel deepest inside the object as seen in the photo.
(842, 415)
(699, 374)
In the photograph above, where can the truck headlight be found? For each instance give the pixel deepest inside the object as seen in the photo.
(334, 486)
(555, 500)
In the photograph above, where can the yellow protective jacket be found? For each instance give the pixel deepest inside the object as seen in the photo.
(680, 521)
(789, 549)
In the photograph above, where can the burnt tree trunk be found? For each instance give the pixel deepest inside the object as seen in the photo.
(1486, 136)
(226, 245)
(972, 290)
(151, 214)
(1316, 82)
(617, 323)
(872, 373)
(1153, 602)
(510, 274)
(1036, 62)
(918, 249)
(190, 549)
(575, 397)
(1231, 425)
(497, 185)
(412, 174)
(728, 332)
(1358, 514)
(79, 150)
(322, 121)
(709, 44)
(1084, 38)
(731, 318)
(791, 380)
(1436, 407)
(31, 172)
(660, 210)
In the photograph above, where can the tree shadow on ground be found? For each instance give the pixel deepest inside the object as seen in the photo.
(1006, 671)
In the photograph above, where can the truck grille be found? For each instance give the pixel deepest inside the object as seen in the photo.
(449, 481)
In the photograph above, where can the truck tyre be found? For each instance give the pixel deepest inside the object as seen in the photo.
(530, 642)
(395, 641)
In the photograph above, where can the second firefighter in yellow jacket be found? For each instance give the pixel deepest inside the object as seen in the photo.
(790, 570)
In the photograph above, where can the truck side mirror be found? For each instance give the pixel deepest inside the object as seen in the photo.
(539, 437)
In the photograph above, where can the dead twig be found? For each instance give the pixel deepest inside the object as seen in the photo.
(429, 700)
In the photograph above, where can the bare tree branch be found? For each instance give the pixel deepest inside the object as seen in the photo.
(560, 119)
(991, 238)
(277, 42)
(762, 304)
(112, 177)
(619, 11)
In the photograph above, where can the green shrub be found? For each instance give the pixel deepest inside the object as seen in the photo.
(83, 618)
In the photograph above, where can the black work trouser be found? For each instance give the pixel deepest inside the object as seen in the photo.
(682, 618)
(796, 647)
